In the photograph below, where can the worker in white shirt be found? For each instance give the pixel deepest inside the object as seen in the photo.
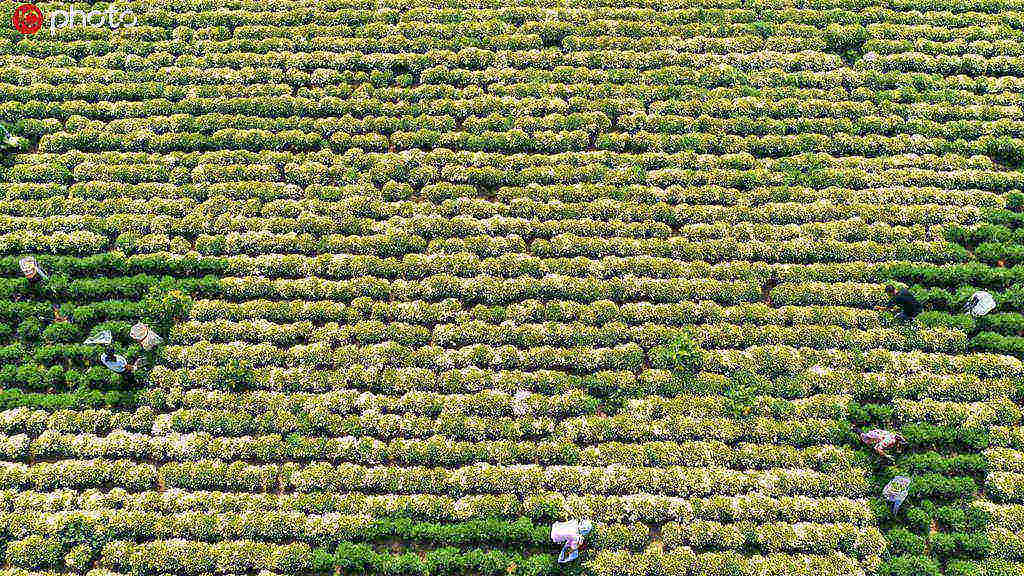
(980, 303)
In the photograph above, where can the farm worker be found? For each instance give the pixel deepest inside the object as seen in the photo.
(882, 440)
(570, 535)
(768, 286)
(57, 316)
(34, 274)
(981, 303)
(896, 491)
(117, 363)
(908, 306)
(519, 407)
(145, 336)
(9, 140)
(30, 268)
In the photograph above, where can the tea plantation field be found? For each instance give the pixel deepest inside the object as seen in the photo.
(435, 274)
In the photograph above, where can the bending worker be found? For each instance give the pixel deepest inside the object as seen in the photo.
(769, 284)
(570, 534)
(903, 303)
(118, 364)
(882, 440)
(980, 303)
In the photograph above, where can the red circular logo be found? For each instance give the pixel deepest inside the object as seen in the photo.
(27, 19)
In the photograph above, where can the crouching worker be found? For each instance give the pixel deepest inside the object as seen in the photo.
(896, 492)
(119, 364)
(35, 275)
(570, 535)
(981, 303)
(903, 303)
(32, 272)
(8, 140)
(882, 440)
(769, 284)
(145, 336)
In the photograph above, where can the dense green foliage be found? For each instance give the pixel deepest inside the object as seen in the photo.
(433, 277)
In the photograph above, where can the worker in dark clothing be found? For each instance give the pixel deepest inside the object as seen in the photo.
(903, 303)
(768, 286)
